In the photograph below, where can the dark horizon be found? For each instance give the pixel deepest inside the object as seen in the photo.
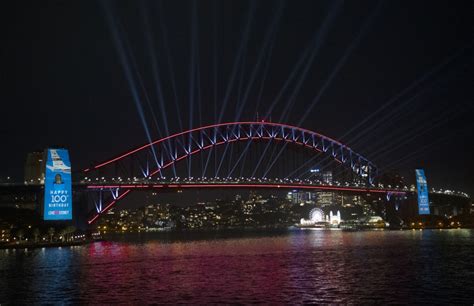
(391, 80)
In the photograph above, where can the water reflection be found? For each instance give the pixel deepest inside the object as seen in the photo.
(290, 267)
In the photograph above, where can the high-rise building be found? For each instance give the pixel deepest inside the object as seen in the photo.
(34, 168)
(301, 197)
(325, 177)
(325, 198)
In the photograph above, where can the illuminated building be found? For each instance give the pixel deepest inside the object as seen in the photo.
(325, 198)
(301, 197)
(4, 232)
(326, 177)
(334, 219)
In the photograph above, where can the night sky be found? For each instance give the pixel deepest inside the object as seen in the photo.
(392, 79)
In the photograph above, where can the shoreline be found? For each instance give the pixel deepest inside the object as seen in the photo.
(263, 230)
(44, 245)
(196, 233)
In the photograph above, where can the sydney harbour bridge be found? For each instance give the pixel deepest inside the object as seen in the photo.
(231, 155)
(246, 155)
(234, 155)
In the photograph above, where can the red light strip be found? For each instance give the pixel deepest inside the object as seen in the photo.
(217, 185)
(238, 185)
(214, 126)
(109, 206)
(93, 219)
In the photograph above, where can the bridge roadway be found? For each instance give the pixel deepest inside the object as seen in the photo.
(174, 185)
(89, 185)
(169, 185)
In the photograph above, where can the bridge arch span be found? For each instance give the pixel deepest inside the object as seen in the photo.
(153, 158)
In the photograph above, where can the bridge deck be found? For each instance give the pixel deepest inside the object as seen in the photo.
(220, 185)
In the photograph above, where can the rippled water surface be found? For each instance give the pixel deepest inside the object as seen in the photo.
(291, 267)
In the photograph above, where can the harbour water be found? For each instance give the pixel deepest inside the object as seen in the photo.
(294, 266)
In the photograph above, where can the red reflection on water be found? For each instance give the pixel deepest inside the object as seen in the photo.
(242, 268)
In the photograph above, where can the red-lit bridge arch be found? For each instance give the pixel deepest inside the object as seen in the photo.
(153, 159)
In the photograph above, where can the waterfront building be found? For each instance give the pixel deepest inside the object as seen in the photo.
(334, 219)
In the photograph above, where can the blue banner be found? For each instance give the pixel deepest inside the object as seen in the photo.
(57, 186)
(422, 188)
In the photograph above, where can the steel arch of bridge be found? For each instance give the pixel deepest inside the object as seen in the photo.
(167, 151)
